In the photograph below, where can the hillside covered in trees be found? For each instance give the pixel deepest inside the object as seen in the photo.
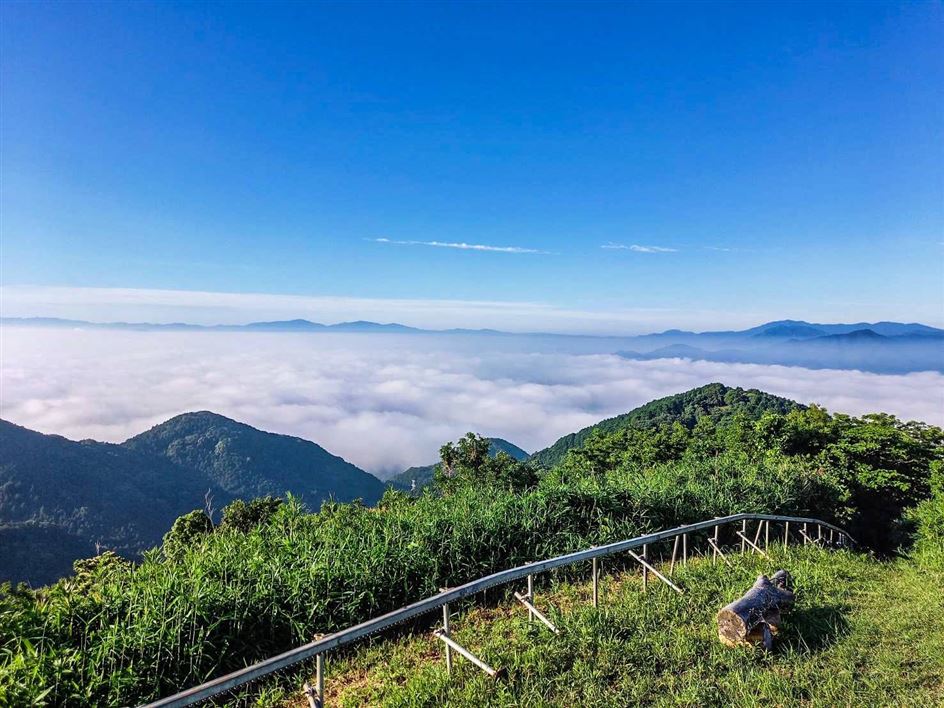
(716, 401)
(272, 574)
(62, 500)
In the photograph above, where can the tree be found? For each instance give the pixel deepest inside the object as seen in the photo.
(186, 532)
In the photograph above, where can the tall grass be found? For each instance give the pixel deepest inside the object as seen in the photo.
(117, 634)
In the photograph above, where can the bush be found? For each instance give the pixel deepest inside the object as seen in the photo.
(187, 531)
(245, 516)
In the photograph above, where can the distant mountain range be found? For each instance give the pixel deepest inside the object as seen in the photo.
(884, 347)
(789, 329)
(780, 329)
(61, 500)
(415, 478)
(278, 326)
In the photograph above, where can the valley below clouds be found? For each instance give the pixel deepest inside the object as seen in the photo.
(385, 401)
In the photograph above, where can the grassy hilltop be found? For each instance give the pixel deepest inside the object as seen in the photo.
(270, 574)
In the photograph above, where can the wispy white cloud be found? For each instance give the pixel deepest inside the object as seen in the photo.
(404, 396)
(461, 245)
(638, 249)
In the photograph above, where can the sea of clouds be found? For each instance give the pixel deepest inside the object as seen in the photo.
(384, 402)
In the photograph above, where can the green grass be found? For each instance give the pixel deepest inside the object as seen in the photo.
(863, 632)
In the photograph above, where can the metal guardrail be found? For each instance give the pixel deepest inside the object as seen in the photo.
(353, 634)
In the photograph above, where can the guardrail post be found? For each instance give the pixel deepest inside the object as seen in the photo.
(655, 572)
(315, 695)
(449, 642)
(714, 545)
(645, 570)
(535, 612)
(786, 534)
(819, 533)
(752, 544)
(530, 596)
(674, 554)
(806, 538)
(446, 632)
(596, 581)
(684, 549)
(767, 535)
(714, 557)
(743, 535)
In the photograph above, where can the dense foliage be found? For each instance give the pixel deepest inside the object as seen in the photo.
(271, 574)
(715, 401)
(415, 478)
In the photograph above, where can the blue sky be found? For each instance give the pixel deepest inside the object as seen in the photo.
(640, 166)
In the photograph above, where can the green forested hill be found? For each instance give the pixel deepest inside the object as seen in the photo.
(61, 500)
(244, 462)
(423, 475)
(714, 400)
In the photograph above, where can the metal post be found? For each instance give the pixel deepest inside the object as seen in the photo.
(760, 527)
(752, 544)
(657, 573)
(466, 653)
(715, 546)
(530, 596)
(446, 632)
(596, 581)
(684, 549)
(743, 535)
(806, 538)
(315, 695)
(535, 612)
(767, 535)
(831, 537)
(718, 552)
(674, 554)
(786, 534)
(819, 533)
(645, 570)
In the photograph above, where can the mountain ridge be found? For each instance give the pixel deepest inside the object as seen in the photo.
(775, 328)
(62, 499)
(715, 400)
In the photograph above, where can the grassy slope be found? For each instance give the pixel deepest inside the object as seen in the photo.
(863, 633)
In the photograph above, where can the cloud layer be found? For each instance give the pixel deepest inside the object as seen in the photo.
(384, 402)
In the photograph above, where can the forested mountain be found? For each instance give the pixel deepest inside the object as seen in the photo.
(61, 500)
(243, 462)
(715, 400)
(423, 475)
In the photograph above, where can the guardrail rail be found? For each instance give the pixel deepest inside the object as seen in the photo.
(809, 530)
